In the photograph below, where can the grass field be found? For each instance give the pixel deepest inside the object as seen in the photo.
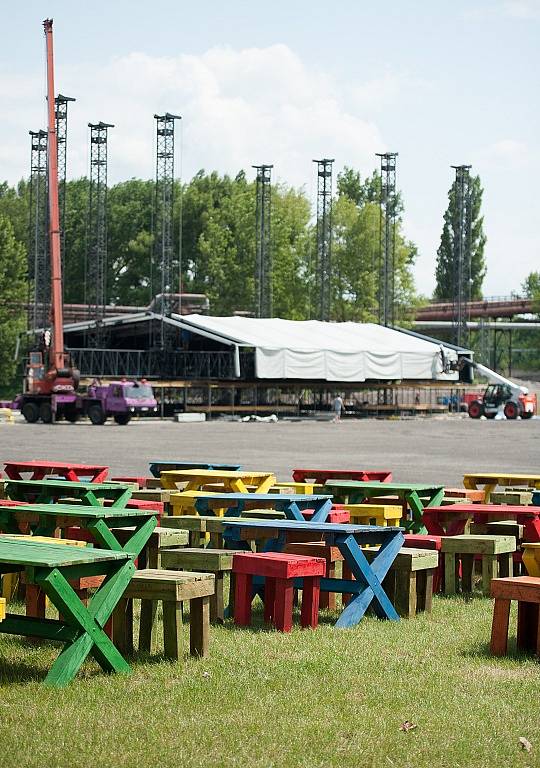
(312, 698)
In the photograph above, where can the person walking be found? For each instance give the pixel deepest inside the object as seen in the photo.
(337, 407)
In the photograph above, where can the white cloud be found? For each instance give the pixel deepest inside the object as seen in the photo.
(506, 154)
(514, 9)
(239, 107)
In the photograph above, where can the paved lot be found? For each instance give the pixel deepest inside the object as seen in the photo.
(422, 450)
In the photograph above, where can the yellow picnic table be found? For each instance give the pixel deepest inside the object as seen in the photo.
(232, 481)
(490, 481)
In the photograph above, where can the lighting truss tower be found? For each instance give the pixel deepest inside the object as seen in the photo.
(61, 112)
(324, 236)
(461, 255)
(39, 272)
(163, 223)
(263, 253)
(387, 238)
(96, 272)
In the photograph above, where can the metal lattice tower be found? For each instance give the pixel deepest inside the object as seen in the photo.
(324, 236)
(163, 222)
(96, 271)
(39, 271)
(387, 238)
(61, 111)
(263, 253)
(461, 255)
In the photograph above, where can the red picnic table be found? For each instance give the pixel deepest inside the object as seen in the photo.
(451, 520)
(38, 470)
(320, 476)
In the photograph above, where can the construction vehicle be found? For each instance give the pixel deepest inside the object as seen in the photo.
(51, 381)
(501, 395)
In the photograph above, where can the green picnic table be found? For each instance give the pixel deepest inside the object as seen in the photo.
(100, 522)
(49, 491)
(51, 566)
(416, 495)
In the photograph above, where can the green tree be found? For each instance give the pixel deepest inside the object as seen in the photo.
(13, 292)
(444, 270)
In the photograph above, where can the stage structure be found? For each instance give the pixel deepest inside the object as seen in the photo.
(96, 254)
(61, 113)
(324, 238)
(263, 242)
(39, 272)
(461, 255)
(387, 239)
(162, 277)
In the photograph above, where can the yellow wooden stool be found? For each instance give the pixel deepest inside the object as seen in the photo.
(531, 557)
(374, 514)
(2, 608)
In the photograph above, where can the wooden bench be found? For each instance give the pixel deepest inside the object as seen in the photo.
(172, 588)
(215, 561)
(516, 497)
(409, 582)
(526, 590)
(374, 514)
(427, 541)
(279, 570)
(496, 556)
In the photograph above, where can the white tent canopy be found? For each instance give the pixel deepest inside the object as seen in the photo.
(340, 352)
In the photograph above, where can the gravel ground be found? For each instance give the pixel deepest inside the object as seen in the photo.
(430, 449)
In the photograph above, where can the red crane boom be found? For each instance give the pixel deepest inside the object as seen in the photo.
(57, 357)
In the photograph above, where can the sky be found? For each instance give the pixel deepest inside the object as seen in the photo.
(441, 82)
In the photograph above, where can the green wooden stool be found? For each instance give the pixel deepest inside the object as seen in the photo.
(216, 561)
(409, 582)
(495, 551)
(172, 588)
(195, 526)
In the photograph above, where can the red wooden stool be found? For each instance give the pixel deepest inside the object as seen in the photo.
(280, 570)
(423, 541)
(331, 554)
(526, 590)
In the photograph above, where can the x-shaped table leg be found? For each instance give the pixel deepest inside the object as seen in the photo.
(370, 577)
(88, 621)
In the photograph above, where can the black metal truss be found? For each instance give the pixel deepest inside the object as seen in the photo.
(263, 243)
(324, 237)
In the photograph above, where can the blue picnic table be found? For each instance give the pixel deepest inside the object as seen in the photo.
(291, 504)
(367, 586)
(157, 467)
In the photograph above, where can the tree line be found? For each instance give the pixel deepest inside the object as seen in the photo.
(214, 226)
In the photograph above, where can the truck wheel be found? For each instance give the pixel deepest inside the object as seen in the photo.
(45, 413)
(30, 411)
(122, 418)
(96, 414)
(475, 409)
(527, 415)
(511, 411)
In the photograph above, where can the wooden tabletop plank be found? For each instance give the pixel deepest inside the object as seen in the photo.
(78, 510)
(39, 554)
